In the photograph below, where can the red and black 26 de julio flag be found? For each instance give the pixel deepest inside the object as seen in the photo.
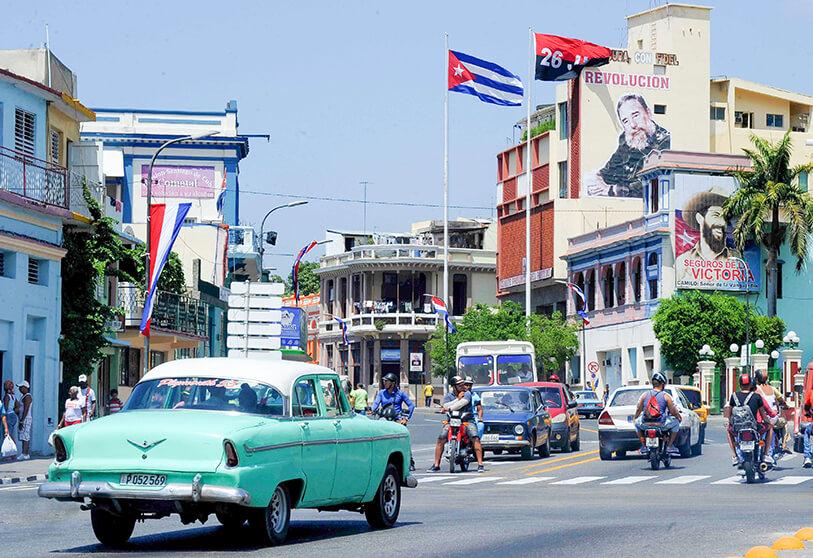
(562, 58)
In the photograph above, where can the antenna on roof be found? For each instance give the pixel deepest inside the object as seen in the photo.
(48, 54)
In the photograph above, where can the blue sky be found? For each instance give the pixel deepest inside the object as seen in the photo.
(353, 90)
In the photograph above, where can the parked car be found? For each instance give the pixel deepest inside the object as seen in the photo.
(515, 421)
(245, 440)
(695, 398)
(588, 403)
(616, 428)
(565, 429)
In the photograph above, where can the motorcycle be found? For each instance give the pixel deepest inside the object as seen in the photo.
(750, 449)
(657, 444)
(778, 446)
(388, 412)
(459, 448)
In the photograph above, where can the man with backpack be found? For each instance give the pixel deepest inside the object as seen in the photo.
(652, 409)
(746, 409)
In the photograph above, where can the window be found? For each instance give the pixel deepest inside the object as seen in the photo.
(659, 109)
(514, 369)
(654, 196)
(743, 119)
(33, 271)
(609, 287)
(563, 131)
(636, 280)
(25, 131)
(54, 145)
(632, 355)
(803, 180)
(717, 113)
(303, 399)
(658, 70)
(2, 264)
(563, 179)
(621, 284)
(335, 405)
(774, 120)
(652, 262)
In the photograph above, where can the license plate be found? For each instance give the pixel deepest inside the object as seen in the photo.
(491, 438)
(455, 422)
(630, 418)
(747, 446)
(651, 442)
(137, 479)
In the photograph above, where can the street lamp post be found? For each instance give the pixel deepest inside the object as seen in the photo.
(163, 146)
(262, 228)
(747, 314)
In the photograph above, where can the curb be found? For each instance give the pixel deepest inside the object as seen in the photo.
(791, 542)
(17, 480)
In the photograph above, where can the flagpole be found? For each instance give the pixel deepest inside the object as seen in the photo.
(446, 178)
(529, 175)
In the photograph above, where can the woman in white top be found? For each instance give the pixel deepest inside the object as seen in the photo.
(73, 409)
(773, 399)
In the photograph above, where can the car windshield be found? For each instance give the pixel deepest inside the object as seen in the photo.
(212, 394)
(586, 396)
(627, 397)
(480, 368)
(514, 369)
(693, 396)
(505, 400)
(551, 397)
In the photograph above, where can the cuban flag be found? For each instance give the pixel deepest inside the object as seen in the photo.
(485, 80)
(221, 198)
(439, 307)
(166, 222)
(295, 271)
(574, 288)
(343, 325)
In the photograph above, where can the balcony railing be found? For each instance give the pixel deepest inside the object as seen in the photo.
(373, 321)
(33, 178)
(172, 312)
(388, 252)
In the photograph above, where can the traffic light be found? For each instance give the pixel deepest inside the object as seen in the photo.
(271, 238)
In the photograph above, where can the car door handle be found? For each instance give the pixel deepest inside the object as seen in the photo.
(337, 423)
(304, 425)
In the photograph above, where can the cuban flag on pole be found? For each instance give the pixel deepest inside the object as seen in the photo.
(221, 198)
(343, 325)
(485, 80)
(574, 288)
(295, 271)
(439, 307)
(166, 222)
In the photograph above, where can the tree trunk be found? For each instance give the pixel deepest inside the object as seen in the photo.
(773, 256)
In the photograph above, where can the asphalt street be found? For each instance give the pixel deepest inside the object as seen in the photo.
(565, 505)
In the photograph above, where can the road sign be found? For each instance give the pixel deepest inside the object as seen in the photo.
(269, 355)
(260, 302)
(267, 289)
(270, 343)
(592, 367)
(239, 328)
(255, 320)
(261, 316)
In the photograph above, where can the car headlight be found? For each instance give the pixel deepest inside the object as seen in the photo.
(559, 418)
(519, 429)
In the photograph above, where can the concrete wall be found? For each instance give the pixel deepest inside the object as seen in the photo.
(11, 98)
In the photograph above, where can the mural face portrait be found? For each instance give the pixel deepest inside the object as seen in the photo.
(636, 120)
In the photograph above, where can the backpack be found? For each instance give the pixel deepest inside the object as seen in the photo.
(652, 409)
(741, 416)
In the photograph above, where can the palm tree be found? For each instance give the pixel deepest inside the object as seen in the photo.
(767, 191)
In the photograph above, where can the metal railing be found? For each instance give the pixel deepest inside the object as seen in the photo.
(172, 312)
(410, 252)
(33, 178)
(374, 320)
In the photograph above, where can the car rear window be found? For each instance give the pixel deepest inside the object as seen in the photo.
(586, 396)
(627, 397)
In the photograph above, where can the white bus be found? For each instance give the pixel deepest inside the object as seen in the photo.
(497, 362)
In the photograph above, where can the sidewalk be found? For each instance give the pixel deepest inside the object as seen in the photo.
(33, 470)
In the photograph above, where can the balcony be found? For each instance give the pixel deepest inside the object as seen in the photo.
(109, 206)
(33, 178)
(382, 321)
(172, 313)
(410, 254)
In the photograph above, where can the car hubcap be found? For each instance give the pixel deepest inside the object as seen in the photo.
(276, 514)
(390, 495)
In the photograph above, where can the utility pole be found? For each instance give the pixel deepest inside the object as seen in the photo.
(364, 184)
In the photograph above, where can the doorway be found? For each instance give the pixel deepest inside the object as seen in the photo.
(459, 294)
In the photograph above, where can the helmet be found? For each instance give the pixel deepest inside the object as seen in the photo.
(388, 412)
(761, 377)
(456, 380)
(553, 378)
(390, 377)
(468, 381)
(659, 378)
(746, 381)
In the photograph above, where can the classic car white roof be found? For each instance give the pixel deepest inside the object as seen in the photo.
(278, 373)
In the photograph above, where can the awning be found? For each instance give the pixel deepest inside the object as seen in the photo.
(116, 342)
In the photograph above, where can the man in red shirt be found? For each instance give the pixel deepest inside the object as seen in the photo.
(807, 415)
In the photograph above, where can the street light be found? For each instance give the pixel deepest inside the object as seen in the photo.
(775, 354)
(759, 344)
(149, 221)
(262, 227)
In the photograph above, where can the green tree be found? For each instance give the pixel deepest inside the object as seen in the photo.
(769, 188)
(555, 340)
(172, 278)
(691, 319)
(91, 255)
(308, 280)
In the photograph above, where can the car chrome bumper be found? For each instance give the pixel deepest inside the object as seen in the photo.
(195, 491)
(503, 444)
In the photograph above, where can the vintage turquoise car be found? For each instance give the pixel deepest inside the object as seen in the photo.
(246, 440)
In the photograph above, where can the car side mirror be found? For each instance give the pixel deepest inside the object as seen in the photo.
(572, 405)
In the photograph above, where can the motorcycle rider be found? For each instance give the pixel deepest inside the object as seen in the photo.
(668, 421)
(458, 399)
(393, 395)
(774, 400)
(807, 407)
(761, 411)
(477, 406)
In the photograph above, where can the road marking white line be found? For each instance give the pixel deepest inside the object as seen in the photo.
(474, 480)
(578, 480)
(17, 488)
(629, 480)
(789, 457)
(687, 479)
(500, 462)
(424, 480)
(791, 480)
(422, 449)
(529, 480)
(736, 479)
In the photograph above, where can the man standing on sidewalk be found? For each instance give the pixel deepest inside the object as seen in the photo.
(88, 397)
(807, 409)
(428, 392)
(25, 419)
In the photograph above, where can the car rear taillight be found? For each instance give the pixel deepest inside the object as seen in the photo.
(747, 435)
(606, 419)
(60, 453)
(651, 433)
(600, 404)
(231, 454)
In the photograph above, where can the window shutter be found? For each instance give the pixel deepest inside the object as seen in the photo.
(53, 146)
(2, 264)
(25, 131)
(33, 271)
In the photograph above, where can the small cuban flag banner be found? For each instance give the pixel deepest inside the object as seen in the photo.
(485, 80)
(343, 325)
(439, 307)
(574, 288)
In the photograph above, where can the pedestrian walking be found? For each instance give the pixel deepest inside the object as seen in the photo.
(88, 397)
(11, 411)
(358, 399)
(428, 392)
(26, 420)
(114, 405)
(606, 392)
(74, 409)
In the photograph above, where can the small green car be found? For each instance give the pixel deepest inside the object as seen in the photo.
(246, 440)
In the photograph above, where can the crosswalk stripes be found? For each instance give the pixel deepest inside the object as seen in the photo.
(578, 480)
(736, 479)
(473, 480)
(629, 480)
(686, 479)
(790, 480)
(527, 480)
(424, 480)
